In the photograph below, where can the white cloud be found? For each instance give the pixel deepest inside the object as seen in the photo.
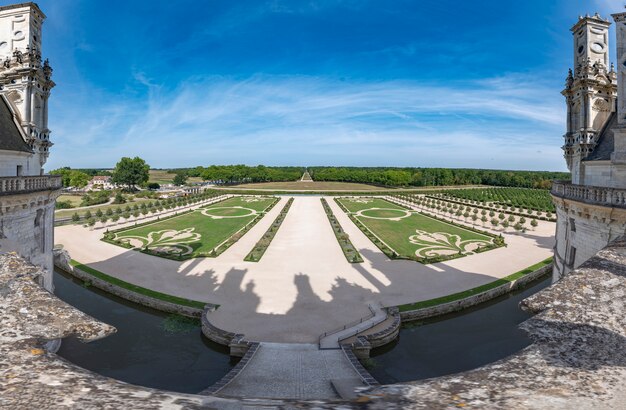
(499, 122)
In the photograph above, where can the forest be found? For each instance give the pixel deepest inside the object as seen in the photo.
(385, 176)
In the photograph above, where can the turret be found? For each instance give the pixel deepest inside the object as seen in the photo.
(590, 91)
(24, 80)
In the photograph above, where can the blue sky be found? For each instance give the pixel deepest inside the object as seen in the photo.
(364, 83)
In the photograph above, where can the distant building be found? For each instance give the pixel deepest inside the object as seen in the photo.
(591, 208)
(100, 182)
(27, 196)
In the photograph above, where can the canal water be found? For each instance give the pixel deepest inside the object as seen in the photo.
(150, 348)
(455, 342)
(154, 349)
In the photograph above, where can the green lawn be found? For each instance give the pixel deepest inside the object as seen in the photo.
(199, 232)
(411, 234)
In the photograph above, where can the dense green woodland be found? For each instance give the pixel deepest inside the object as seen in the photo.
(437, 176)
(235, 174)
(383, 176)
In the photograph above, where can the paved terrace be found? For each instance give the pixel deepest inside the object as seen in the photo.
(303, 286)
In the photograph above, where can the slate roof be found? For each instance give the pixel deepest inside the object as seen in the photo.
(10, 136)
(605, 146)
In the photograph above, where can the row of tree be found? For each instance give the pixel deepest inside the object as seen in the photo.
(437, 176)
(237, 174)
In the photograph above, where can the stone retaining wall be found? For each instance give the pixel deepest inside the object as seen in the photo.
(473, 300)
(61, 261)
(365, 343)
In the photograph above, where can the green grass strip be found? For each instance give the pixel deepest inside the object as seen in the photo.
(471, 292)
(138, 289)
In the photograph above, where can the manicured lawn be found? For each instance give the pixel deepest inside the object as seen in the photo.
(411, 234)
(199, 232)
(310, 186)
(164, 177)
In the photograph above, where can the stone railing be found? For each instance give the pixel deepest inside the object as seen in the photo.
(596, 195)
(18, 185)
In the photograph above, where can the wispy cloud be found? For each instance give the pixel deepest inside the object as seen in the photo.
(310, 120)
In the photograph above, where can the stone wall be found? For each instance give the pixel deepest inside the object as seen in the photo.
(582, 230)
(27, 227)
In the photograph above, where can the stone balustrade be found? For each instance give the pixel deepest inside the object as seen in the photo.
(603, 196)
(18, 185)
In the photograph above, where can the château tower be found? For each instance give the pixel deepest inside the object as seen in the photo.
(24, 79)
(591, 208)
(590, 91)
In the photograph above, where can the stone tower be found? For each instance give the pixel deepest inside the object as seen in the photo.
(590, 91)
(591, 208)
(27, 197)
(24, 79)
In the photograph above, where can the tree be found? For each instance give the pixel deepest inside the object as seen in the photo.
(153, 186)
(71, 177)
(131, 172)
(180, 178)
(119, 199)
(533, 223)
(75, 217)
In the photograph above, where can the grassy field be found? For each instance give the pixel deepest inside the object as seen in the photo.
(411, 234)
(164, 177)
(309, 186)
(199, 232)
(73, 199)
(326, 186)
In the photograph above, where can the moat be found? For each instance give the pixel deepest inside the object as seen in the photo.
(153, 349)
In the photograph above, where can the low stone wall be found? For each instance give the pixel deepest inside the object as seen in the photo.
(239, 346)
(234, 372)
(213, 333)
(365, 376)
(365, 343)
(61, 261)
(474, 300)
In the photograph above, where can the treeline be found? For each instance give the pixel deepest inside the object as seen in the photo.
(437, 176)
(237, 174)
